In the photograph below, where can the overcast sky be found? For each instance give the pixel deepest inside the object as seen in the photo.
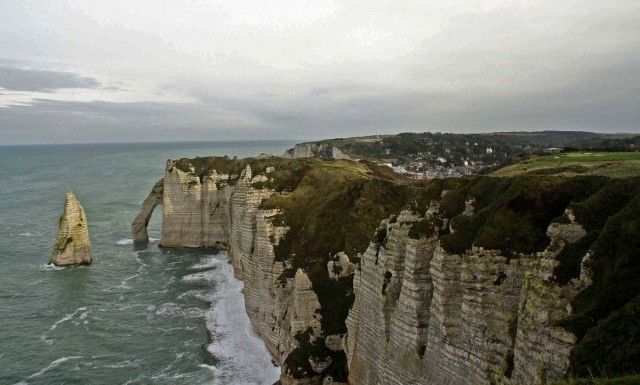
(124, 70)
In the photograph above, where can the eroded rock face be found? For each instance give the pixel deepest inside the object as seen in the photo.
(315, 150)
(426, 316)
(422, 314)
(72, 246)
(223, 210)
(139, 224)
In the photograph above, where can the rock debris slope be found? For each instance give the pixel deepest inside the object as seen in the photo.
(72, 246)
(352, 274)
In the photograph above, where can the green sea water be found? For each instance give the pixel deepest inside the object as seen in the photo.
(138, 315)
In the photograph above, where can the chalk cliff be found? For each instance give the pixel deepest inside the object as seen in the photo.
(218, 204)
(428, 311)
(351, 274)
(140, 223)
(318, 150)
(72, 246)
(423, 315)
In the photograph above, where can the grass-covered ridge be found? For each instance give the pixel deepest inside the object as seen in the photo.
(611, 164)
(627, 380)
(512, 215)
(336, 206)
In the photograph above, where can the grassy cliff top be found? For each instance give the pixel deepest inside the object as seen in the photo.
(611, 164)
(628, 380)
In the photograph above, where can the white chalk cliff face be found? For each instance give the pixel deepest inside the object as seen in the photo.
(425, 316)
(139, 224)
(72, 246)
(421, 315)
(315, 150)
(223, 210)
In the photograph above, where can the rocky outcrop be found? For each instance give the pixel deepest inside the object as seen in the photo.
(315, 150)
(423, 315)
(222, 209)
(72, 246)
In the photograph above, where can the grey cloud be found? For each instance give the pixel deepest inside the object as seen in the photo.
(604, 101)
(17, 79)
(49, 121)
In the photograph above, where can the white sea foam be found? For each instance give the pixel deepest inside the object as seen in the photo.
(129, 241)
(28, 234)
(123, 284)
(66, 318)
(215, 371)
(171, 309)
(208, 276)
(124, 364)
(199, 294)
(127, 306)
(51, 267)
(244, 360)
(207, 263)
(53, 365)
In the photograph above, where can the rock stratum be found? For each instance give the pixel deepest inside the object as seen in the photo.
(72, 246)
(353, 274)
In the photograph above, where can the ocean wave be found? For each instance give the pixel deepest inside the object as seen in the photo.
(172, 309)
(243, 357)
(204, 295)
(124, 364)
(208, 262)
(212, 368)
(28, 234)
(127, 306)
(129, 241)
(123, 284)
(54, 365)
(67, 317)
(204, 276)
(51, 267)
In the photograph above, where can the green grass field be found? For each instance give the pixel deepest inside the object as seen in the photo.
(589, 157)
(612, 164)
(631, 380)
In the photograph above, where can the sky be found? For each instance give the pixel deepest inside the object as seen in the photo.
(78, 71)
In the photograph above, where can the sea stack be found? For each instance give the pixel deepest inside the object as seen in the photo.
(72, 245)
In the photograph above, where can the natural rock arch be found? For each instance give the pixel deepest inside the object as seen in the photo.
(139, 224)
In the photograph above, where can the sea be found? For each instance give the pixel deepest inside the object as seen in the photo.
(138, 314)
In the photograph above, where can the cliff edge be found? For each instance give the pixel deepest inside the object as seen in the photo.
(355, 274)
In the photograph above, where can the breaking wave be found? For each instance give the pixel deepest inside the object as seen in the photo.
(242, 355)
